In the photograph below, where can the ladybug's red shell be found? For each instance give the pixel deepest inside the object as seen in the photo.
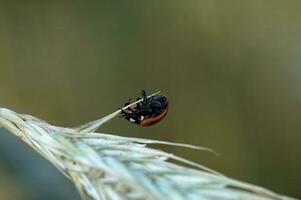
(153, 120)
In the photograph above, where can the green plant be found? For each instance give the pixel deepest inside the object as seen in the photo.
(109, 167)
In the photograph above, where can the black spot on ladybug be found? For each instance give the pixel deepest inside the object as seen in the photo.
(147, 112)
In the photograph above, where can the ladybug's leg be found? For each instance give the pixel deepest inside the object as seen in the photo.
(125, 114)
(128, 103)
(144, 97)
(132, 117)
(143, 94)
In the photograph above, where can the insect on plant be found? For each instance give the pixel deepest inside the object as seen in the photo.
(147, 112)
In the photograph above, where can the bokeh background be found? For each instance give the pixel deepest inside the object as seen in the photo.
(231, 71)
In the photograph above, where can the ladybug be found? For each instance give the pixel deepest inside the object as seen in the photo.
(147, 112)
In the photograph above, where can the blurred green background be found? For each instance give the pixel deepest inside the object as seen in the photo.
(231, 70)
